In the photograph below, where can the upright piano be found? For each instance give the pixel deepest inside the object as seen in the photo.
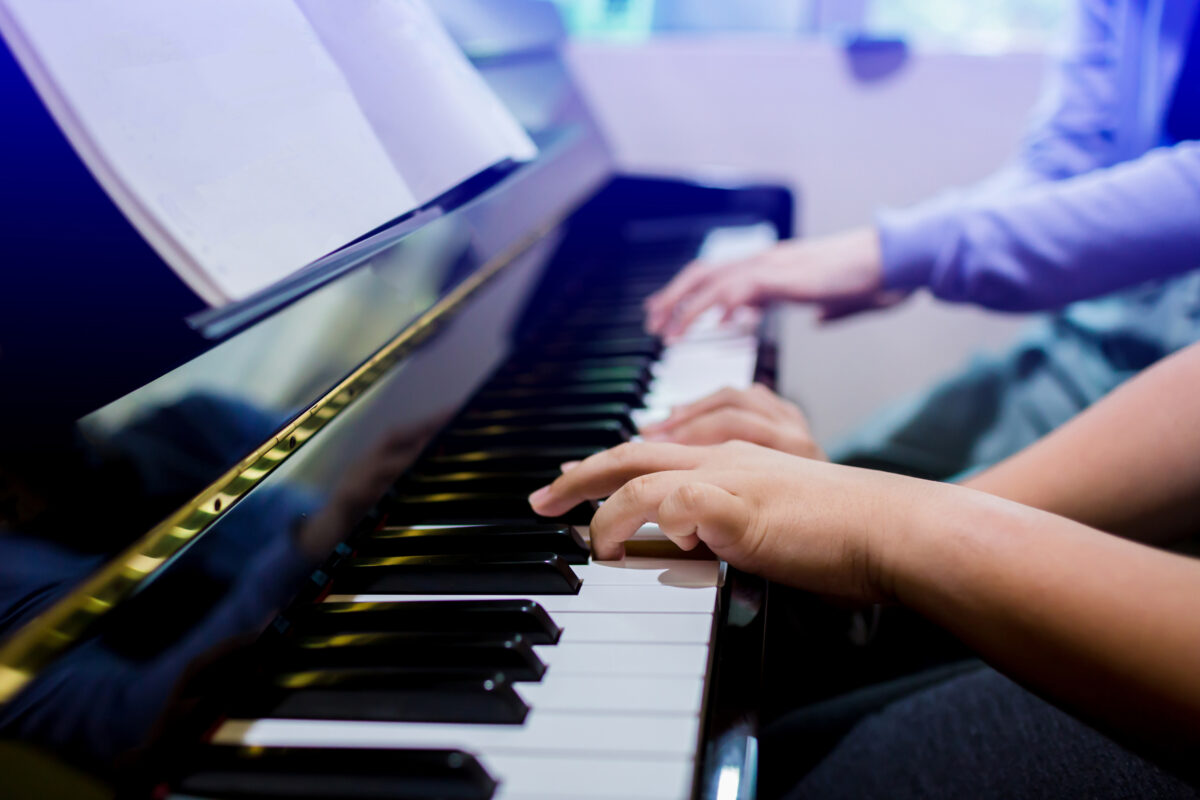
(282, 548)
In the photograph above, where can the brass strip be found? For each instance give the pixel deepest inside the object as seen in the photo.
(35, 644)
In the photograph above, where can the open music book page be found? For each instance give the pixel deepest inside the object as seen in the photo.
(245, 140)
(434, 114)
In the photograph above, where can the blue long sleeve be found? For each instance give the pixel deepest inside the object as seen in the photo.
(1053, 243)
(1076, 217)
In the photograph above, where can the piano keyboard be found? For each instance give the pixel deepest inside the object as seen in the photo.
(562, 677)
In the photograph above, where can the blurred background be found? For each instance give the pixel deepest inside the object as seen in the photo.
(858, 105)
(998, 23)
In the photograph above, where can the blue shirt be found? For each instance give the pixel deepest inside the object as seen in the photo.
(1099, 198)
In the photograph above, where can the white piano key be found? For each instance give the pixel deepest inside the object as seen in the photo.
(734, 242)
(635, 571)
(706, 360)
(690, 371)
(645, 627)
(648, 532)
(609, 658)
(623, 599)
(681, 364)
(590, 778)
(710, 326)
(571, 693)
(709, 322)
(637, 735)
(719, 344)
(648, 416)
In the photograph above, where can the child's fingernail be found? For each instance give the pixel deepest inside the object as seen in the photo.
(568, 465)
(539, 496)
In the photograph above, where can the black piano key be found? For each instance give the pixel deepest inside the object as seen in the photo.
(639, 374)
(512, 482)
(622, 308)
(645, 279)
(479, 656)
(556, 331)
(588, 342)
(593, 348)
(562, 540)
(601, 433)
(472, 507)
(462, 617)
(621, 289)
(384, 695)
(310, 773)
(623, 311)
(564, 413)
(518, 574)
(598, 302)
(504, 459)
(558, 367)
(622, 315)
(629, 392)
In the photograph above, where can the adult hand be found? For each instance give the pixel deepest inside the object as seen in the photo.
(821, 527)
(842, 273)
(755, 415)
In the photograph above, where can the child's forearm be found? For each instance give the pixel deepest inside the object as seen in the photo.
(1130, 464)
(1103, 626)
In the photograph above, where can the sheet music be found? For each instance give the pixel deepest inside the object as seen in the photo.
(247, 139)
(436, 117)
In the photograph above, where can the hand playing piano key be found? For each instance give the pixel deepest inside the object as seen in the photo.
(841, 274)
(810, 524)
(756, 415)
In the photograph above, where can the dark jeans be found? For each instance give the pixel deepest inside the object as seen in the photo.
(979, 735)
(993, 407)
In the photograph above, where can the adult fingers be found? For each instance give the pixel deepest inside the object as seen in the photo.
(662, 305)
(728, 290)
(604, 473)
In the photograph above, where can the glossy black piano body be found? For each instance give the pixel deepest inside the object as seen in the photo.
(124, 401)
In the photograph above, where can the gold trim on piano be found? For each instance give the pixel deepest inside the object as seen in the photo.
(35, 645)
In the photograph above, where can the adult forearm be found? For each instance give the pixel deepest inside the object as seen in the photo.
(1101, 625)
(1130, 464)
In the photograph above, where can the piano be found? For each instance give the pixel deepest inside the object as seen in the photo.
(282, 548)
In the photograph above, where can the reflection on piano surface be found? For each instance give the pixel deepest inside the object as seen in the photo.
(368, 607)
